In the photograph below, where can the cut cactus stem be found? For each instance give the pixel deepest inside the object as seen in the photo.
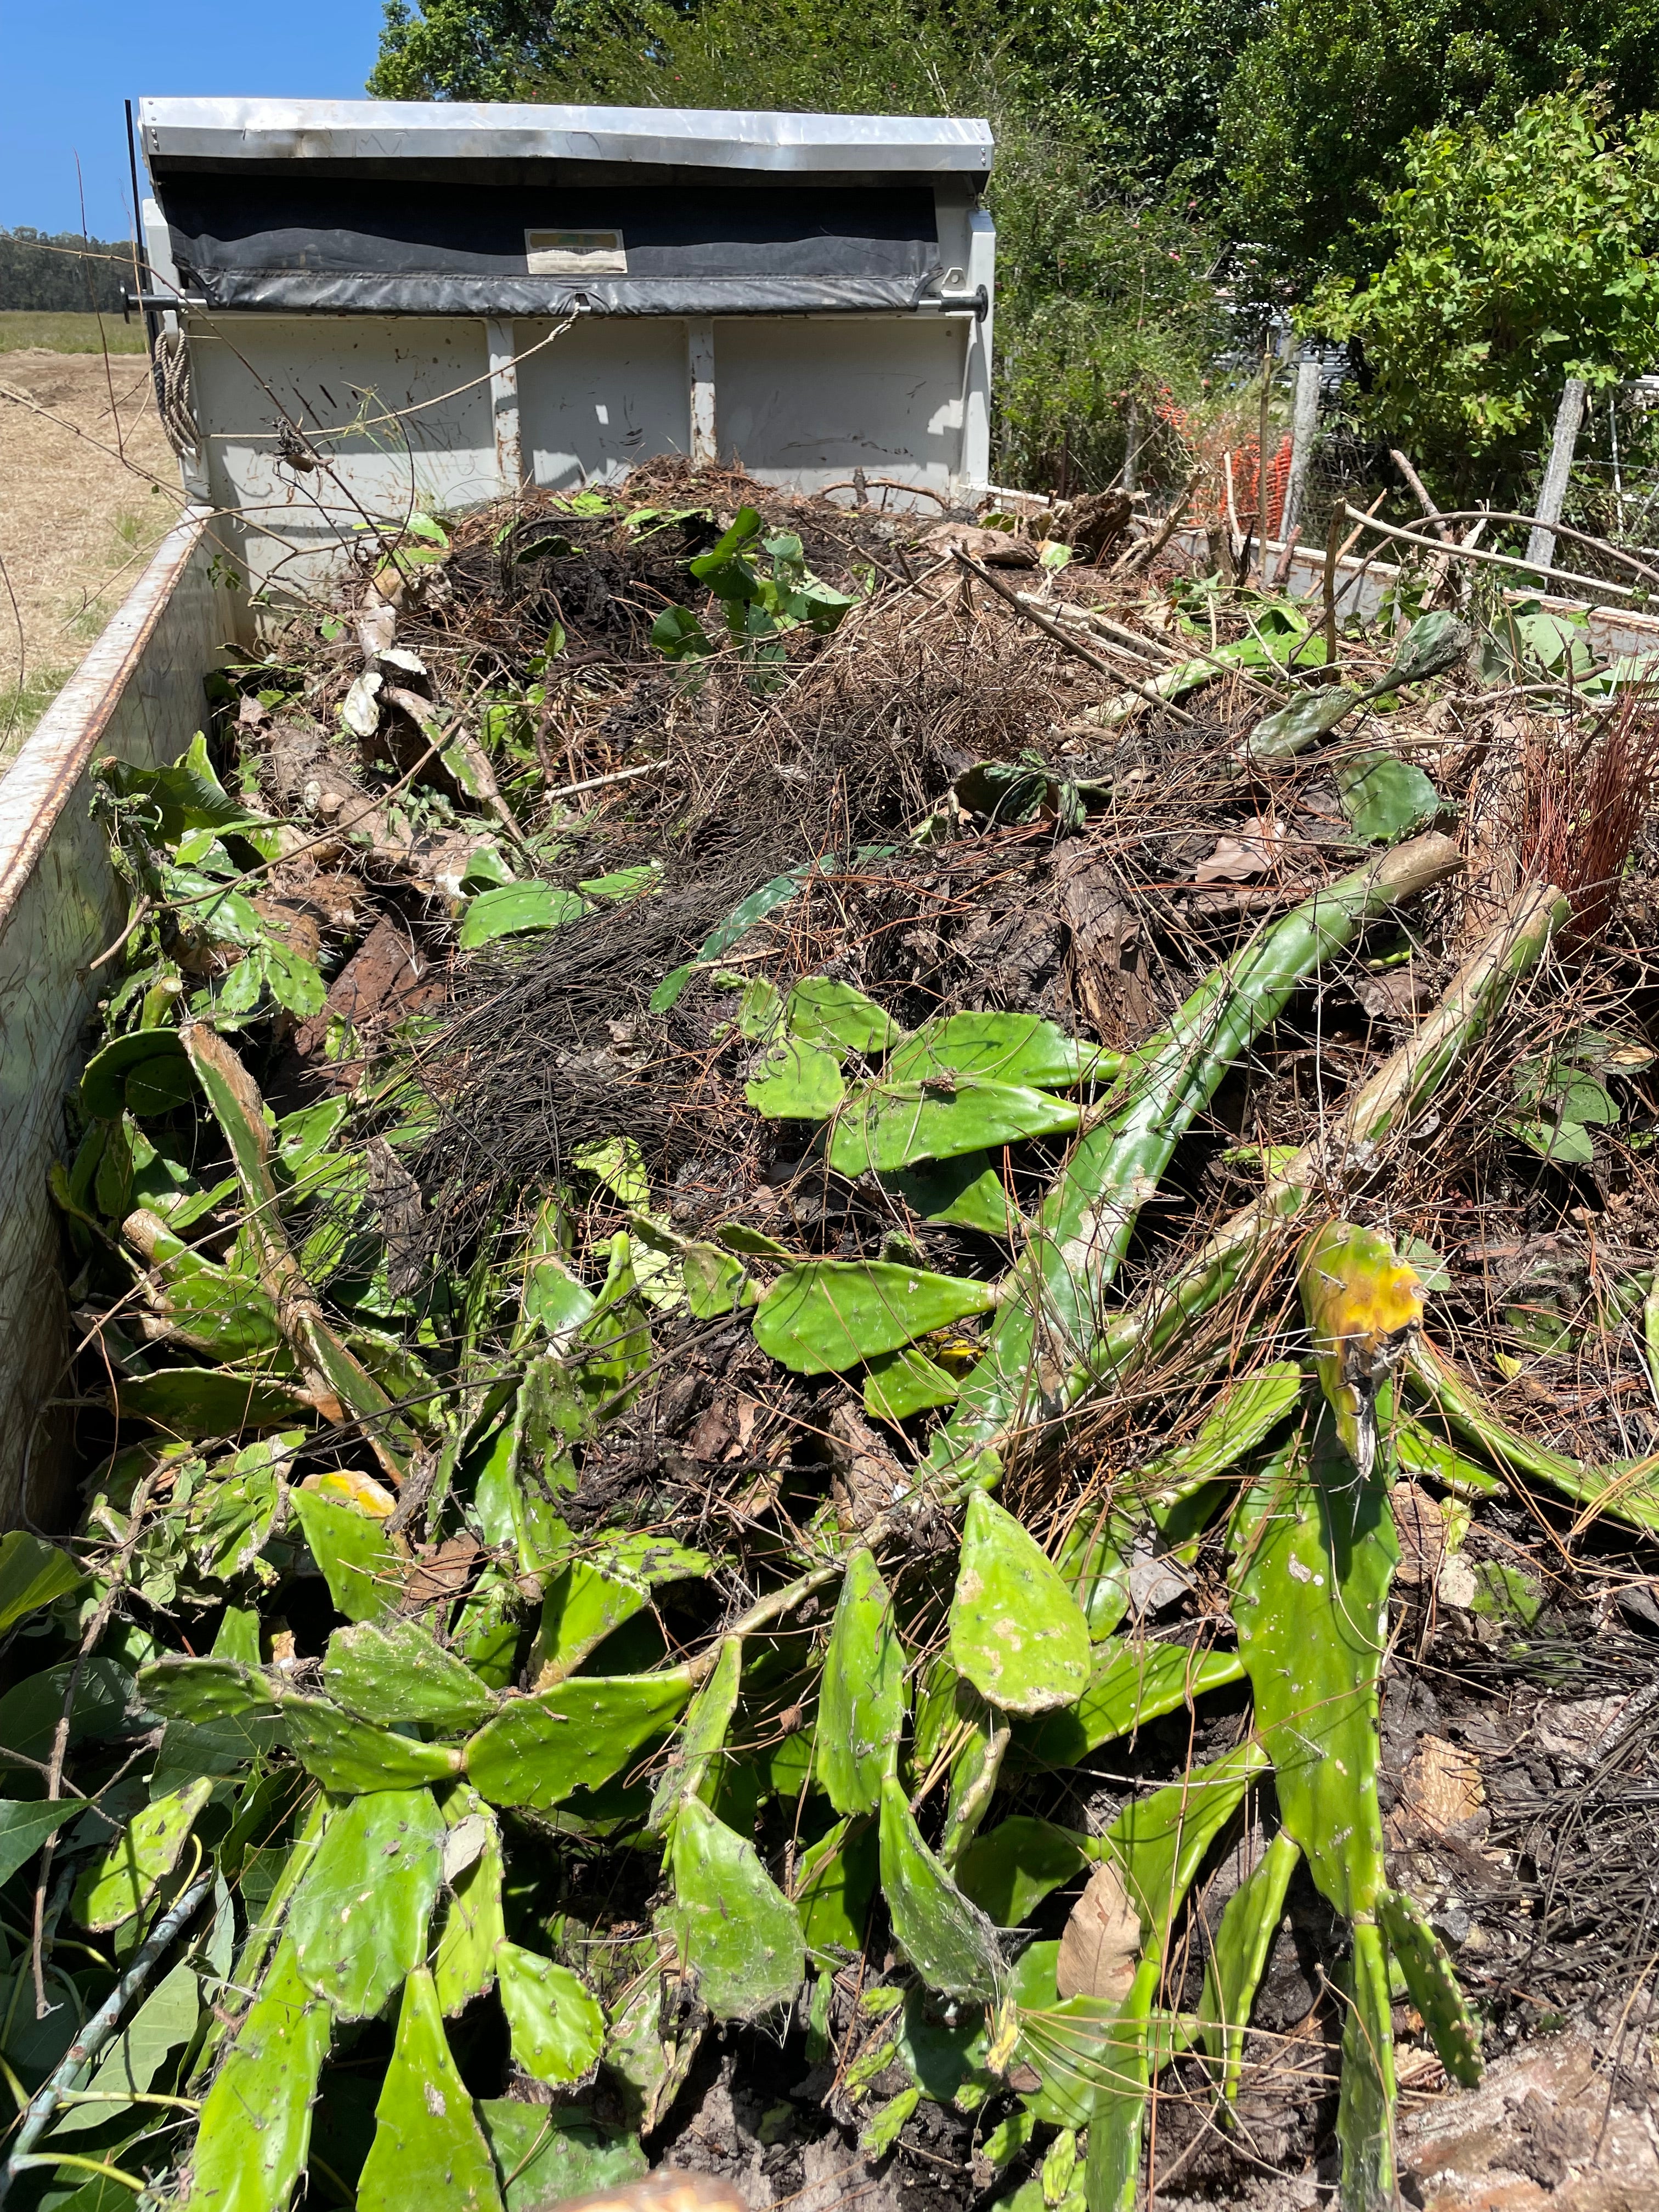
(1049, 1329)
(1246, 1247)
(1432, 1978)
(1628, 1494)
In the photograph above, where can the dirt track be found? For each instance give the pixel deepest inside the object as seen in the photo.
(78, 508)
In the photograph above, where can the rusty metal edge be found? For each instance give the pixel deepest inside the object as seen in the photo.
(36, 787)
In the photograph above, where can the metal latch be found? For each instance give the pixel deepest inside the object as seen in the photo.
(979, 299)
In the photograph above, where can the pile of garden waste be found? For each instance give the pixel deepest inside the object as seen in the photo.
(865, 1387)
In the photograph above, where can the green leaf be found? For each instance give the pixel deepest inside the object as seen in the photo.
(593, 1594)
(512, 908)
(1094, 1562)
(25, 1827)
(1310, 1588)
(555, 1298)
(619, 1164)
(358, 1921)
(145, 1073)
(830, 1314)
(888, 1124)
(538, 1749)
(429, 2150)
(906, 1382)
(32, 1574)
(715, 1283)
(361, 1565)
(746, 526)
(947, 1939)
(165, 2019)
(1292, 729)
(115, 1886)
(862, 1699)
(1563, 1144)
(1008, 1870)
(1383, 798)
(1365, 2101)
(678, 635)
(546, 2155)
(465, 1964)
(702, 1738)
(296, 982)
(795, 1082)
(881, 2131)
(1016, 1632)
(1581, 1098)
(1131, 1683)
(351, 1759)
(188, 796)
(735, 1930)
(1435, 641)
(30, 1710)
(557, 2028)
(822, 1010)
(204, 1690)
(255, 2127)
(1018, 1048)
(735, 1236)
(1232, 1974)
(404, 1673)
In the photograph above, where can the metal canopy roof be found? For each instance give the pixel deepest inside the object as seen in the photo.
(212, 132)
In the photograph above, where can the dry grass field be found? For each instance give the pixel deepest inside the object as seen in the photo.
(22, 327)
(88, 484)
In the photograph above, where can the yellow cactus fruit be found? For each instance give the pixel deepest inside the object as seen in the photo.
(343, 1485)
(1363, 1305)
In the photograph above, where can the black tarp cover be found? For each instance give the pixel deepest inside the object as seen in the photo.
(284, 243)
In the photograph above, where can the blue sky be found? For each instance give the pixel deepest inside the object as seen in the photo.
(69, 63)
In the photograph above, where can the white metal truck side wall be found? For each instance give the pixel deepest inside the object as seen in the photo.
(807, 402)
(138, 695)
(402, 408)
(602, 397)
(445, 412)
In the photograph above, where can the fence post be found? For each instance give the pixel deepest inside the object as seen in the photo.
(1540, 542)
(1304, 426)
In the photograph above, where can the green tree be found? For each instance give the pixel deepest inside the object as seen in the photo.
(1509, 261)
(61, 272)
(1315, 114)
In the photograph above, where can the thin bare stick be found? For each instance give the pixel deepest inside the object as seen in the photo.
(1053, 629)
(598, 782)
(95, 1628)
(1496, 560)
(1431, 513)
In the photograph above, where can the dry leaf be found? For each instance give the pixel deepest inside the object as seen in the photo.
(1441, 1794)
(1420, 1526)
(1102, 1942)
(866, 1477)
(1394, 996)
(1251, 853)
